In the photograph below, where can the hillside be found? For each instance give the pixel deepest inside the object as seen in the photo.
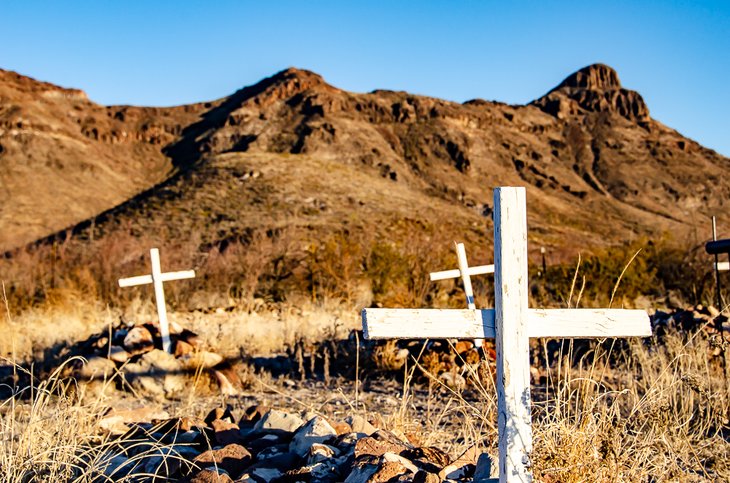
(297, 158)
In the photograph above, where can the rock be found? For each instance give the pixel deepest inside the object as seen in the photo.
(233, 458)
(422, 476)
(228, 381)
(486, 468)
(117, 422)
(360, 425)
(320, 452)
(219, 413)
(115, 466)
(162, 461)
(209, 475)
(118, 354)
(182, 348)
(268, 440)
(266, 474)
(361, 473)
(200, 360)
(272, 451)
(380, 443)
(278, 421)
(254, 413)
(388, 471)
(226, 432)
(394, 458)
(463, 466)
(156, 373)
(97, 368)
(428, 458)
(317, 430)
(138, 340)
(453, 380)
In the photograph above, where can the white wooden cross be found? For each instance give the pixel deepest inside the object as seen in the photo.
(719, 266)
(511, 323)
(157, 278)
(464, 271)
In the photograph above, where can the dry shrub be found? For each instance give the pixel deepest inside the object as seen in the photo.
(659, 415)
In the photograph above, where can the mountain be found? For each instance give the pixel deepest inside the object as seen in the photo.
(294, 154)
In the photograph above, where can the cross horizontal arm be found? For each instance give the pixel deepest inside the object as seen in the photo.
(469, 324)
(147, 279)
(455, 273)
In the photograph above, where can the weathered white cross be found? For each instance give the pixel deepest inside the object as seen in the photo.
(719, 266)
(464, 271)
(156, 279)
(511, 323)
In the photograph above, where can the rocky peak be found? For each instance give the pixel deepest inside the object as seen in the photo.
(596, 77)
(595, 88)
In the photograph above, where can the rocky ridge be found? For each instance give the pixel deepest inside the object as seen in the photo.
(588, 146)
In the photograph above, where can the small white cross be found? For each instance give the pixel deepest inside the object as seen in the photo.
(719, 266)
(156, 279)
(464, 271)
(511, 323)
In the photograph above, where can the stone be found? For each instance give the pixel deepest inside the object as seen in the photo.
(453, 380)
(228, 381)
(162, 461)
(233, 458)
(486, 468)
(97, 368)
(380, 443)
(321, 452)
(226, 432)
(115, 466)
(316, 430)
(182, 348)
(266, 474)
(361, 473)
(268, 440)
(116, 422)
(422, 476)
(209, 475)
(254, 413)
(395, 458)
(463, 466)
(220, 413)
(138, 340)
(118, 354)
(200, 360)
(278, 421)
(360, 425)
(156, 373)
(271, 451)
(428, 458)
(388, 471)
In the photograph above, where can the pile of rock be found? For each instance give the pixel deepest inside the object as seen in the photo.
(273, 446)
(130, 357)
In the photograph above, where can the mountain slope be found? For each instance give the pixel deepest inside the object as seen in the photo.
(598, 168)
(64, 159)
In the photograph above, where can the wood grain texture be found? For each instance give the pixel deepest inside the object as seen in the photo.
(468, 324)
(514, 420)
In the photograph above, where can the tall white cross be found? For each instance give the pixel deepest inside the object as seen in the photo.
(511, 323)
(464, 271)
(156, 279)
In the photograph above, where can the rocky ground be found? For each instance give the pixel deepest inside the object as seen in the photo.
(340, 410)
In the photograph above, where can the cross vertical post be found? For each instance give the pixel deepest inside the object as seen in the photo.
(160, 299)
(156, 279)
(466, 280)
(464, 272)
(512, 338)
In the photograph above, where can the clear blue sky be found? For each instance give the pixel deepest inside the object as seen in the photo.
(675, 53)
